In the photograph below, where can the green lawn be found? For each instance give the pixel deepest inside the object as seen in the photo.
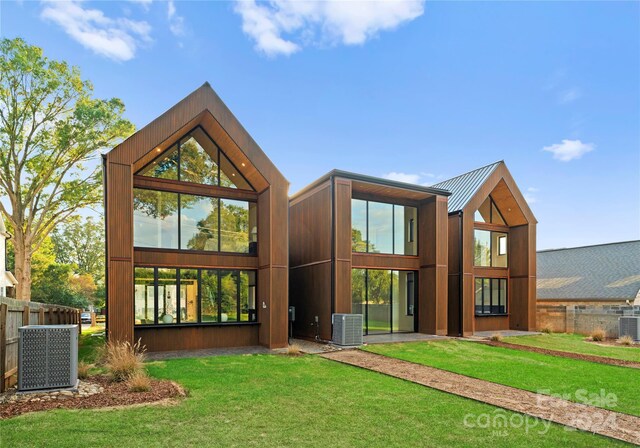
(576, 343)
(524, 370)
(271, 400)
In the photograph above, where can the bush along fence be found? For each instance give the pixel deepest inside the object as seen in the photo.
(583, 319)
(17, 313)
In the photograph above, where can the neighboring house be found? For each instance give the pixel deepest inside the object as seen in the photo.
(491, 257)
(604, 274)
(371, 246)
(7, 281)
(196, 223)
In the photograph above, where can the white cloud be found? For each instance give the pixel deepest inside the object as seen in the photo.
(285, 26)
(530, 196)
(146, 4)
(569, 95)
(569, 150)
(403, 177)
(176, 22)
(117, 39)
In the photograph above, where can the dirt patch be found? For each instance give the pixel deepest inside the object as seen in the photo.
(587, 418)
(114, 395)
(571, 355)
(612, 343)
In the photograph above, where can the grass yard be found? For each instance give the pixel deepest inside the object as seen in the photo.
(576, 343)
(271, 400)
(524, 370)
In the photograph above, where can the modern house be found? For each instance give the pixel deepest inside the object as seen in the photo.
(196, 228)
(491, 255)
(7, 281)
(370, 246)
(603, 274)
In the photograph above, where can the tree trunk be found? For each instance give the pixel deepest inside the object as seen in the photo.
(23, 256)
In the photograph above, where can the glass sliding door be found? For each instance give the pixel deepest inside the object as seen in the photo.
(385, 298)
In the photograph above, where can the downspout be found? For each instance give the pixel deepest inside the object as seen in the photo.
(461, 276)
(106, 246)
(333, 253)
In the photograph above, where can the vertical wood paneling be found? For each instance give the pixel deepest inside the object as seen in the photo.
(120, 305)
(342, 249)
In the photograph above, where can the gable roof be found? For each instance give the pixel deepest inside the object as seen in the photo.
(605, 271)
(201, 107)
(465, 186)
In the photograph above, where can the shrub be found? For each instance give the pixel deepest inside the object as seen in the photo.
(139, 381)
(122, 359)
(496, 337)
(546, 328)
(294, 350)
(597, 335)
(625, 340)
(83, 370)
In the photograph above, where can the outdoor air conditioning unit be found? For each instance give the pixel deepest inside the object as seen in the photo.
(629, 326)
(47, 357)
(347, 329)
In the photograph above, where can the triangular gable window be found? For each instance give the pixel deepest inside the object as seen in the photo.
(197, 159)
(488, 213)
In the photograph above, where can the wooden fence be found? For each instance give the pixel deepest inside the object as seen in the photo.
(17, 313)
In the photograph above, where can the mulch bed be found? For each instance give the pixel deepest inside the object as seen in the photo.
(582, 357)
(587, 418)
(114, 395)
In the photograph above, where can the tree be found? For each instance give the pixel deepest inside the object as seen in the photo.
(81, 243)
(51, 132)
(57, 285)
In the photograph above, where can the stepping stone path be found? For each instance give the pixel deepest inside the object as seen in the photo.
(587, 418)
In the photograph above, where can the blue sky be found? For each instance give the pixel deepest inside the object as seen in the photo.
(408, 90)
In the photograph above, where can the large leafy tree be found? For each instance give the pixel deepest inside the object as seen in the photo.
(81, 243)
(51, 132)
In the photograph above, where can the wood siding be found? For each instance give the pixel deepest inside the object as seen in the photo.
(202, 108)
(310, 221)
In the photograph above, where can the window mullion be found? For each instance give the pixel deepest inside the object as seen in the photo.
(219, 298)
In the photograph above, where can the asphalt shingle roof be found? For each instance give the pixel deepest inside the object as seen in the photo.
(607, 271)
(464, 186)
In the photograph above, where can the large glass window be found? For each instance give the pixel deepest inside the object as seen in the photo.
(198, 222)
(488, 213)
(167, 296)
(206, 223)
(191, 295)
(491, 296)
(155, 219)
(490, 248)
(196, 158)
(188, 295)
(144, 296)
(386, 299)
(229, 296)
(209, 291)
(378, 227)
(358, 225)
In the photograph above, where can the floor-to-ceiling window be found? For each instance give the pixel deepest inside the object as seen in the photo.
(383, 228)
(385, 298)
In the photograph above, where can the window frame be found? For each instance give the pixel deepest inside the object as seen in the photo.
(178, 143)
(218, 230)
(492, 228)
(491, 299)
(492, 205)
(199, 322)
(413, 225)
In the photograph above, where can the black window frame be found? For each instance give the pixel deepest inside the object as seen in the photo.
(252, 248)
(178, 143)
(492, 205)
(505, 234)
(178, 323)
(412, 237)
(491, 298)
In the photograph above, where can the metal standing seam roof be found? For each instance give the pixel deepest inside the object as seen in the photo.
(606, 271)
(465, 186)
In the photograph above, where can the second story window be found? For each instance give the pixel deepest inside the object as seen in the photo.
(490, 248)
(379, 227)
(166, 220)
